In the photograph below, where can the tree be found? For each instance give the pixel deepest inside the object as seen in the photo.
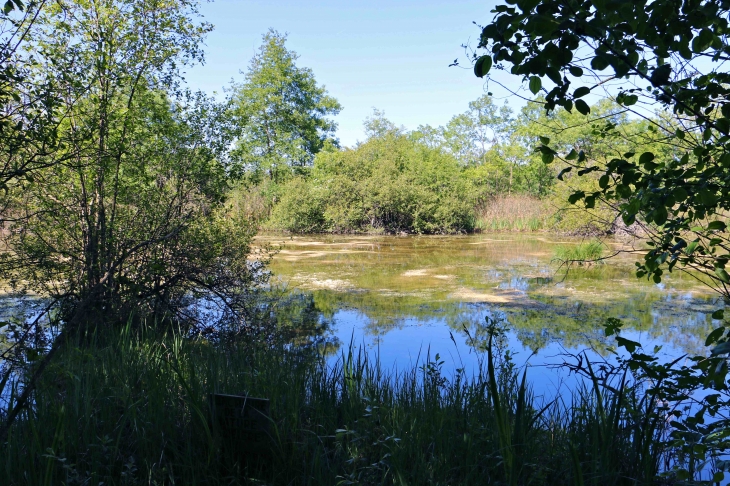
(30, 104)
(282, 113)
(132, 221)
(667, 57)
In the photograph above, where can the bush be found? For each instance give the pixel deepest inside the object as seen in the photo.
(388, 184)
(300, 210)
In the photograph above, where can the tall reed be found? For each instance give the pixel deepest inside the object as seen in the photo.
(513, 213)
(133, 408)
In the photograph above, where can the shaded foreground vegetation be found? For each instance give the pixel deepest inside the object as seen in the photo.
(133, 408)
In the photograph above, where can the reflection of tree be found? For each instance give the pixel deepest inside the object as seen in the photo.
(679, 320)
(299, 321)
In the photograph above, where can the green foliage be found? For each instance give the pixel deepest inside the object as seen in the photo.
(281, 114)
(301, 209)
(134, 219)
(389, 183)
(31, 101)
(668, 56)
(668, 59)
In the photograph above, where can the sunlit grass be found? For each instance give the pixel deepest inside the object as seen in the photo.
(513, 213)
(582, 253)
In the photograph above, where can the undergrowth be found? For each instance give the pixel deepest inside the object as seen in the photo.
(134, 409)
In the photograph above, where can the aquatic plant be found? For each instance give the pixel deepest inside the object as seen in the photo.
(583, 253)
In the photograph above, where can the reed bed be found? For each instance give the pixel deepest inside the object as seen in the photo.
(586, 252)
(513, 213)
(134, 409)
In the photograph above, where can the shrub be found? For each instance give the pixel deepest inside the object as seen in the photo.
(388, 184)
(300, 210)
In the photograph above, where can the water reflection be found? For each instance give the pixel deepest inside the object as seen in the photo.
(401, 296)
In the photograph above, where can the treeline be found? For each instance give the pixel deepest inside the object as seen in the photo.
(480, 171)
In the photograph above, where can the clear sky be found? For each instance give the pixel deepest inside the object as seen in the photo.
(392, 55)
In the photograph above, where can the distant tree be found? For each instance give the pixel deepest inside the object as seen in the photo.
(470, 135)
(378, 126)
(281, 112)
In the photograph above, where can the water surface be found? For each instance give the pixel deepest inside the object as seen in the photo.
(402, 297)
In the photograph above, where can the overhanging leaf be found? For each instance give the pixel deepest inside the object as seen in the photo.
(535, 84)
(482, 66)
(582, 107)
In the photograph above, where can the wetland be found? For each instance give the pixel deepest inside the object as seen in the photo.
(405, 296)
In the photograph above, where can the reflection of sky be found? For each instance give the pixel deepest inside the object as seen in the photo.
(409, 339)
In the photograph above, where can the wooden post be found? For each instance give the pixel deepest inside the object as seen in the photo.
(244, 424)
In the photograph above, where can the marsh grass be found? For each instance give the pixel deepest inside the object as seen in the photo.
(512, 213)
(583, 253)
(133, 409)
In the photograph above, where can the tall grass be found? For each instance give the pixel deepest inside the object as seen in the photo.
(512, 213)
(133, 409)
(586, 252)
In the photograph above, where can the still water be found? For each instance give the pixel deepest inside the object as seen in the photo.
(401, 298)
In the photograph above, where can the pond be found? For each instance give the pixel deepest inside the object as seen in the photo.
(403, 297)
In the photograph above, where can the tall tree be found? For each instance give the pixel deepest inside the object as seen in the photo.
(282, 113)
(30, 103)
(131, 220)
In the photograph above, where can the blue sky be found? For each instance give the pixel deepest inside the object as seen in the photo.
(390, 55)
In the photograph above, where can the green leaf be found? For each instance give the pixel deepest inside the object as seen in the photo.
(660, 215)
(646, 157)
(572, 155)
(544, 140)
(547, 157)
(575, 71)
(612, 326)
(599, 63)
(576, 196)
(482, 66)
(660, 75)
(691, 247)
(627, 343)
(722, 275)
(702, 41)
(582, 107)
(563, 172)
(722, 348)
(717, 333)
(580, 92)
(535, 84)
(630, 99)
(680, 194)
(716, 226)
(707, 198)
(603, 181)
